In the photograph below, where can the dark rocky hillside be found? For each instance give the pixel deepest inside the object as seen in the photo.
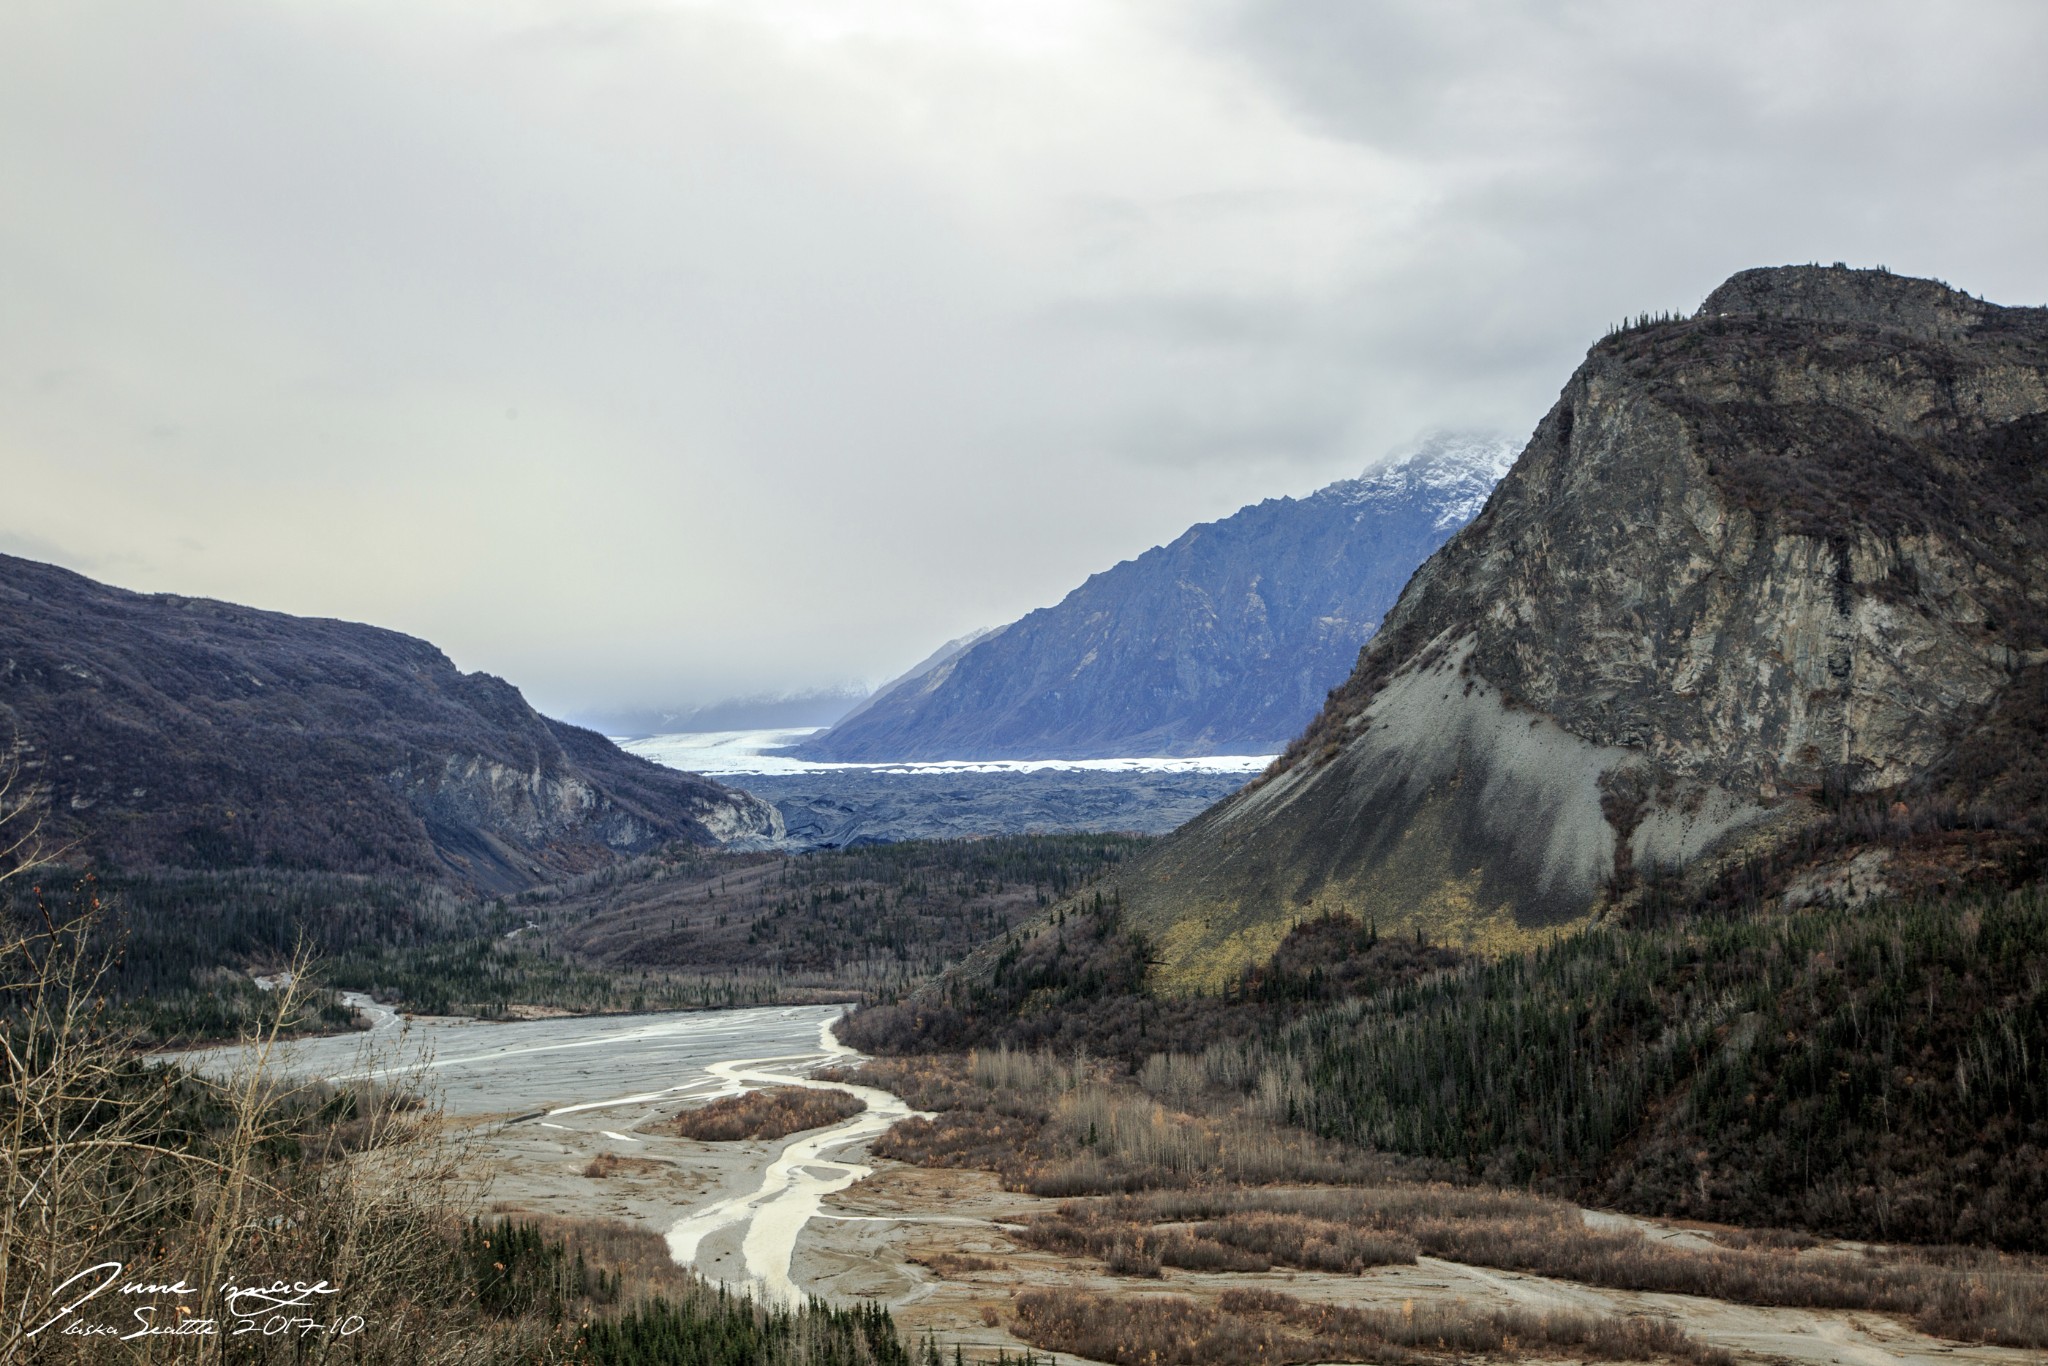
(182, 732)
(1223, 642)
(1772, 577)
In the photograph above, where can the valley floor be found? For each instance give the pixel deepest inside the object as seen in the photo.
(984, 1269)
(935, 1247)
(815, 1214)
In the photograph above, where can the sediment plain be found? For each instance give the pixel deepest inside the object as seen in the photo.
(575, 1117)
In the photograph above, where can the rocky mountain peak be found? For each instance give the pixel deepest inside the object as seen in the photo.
(1839, 294)
(1788, 552)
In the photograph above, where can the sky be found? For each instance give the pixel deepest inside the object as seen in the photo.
(648, 354)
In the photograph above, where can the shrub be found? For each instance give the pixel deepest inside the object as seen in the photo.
(771, 1114)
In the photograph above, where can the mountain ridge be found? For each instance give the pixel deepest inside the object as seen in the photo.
(169, 731)
(1224, 640)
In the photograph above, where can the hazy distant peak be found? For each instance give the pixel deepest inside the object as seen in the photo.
(931, 670)
(939, 656)
(1456, 470)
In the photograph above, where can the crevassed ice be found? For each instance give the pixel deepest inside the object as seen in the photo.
(738, 752)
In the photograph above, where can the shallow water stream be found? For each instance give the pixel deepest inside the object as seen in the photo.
(798, 1180)
(600, 1079)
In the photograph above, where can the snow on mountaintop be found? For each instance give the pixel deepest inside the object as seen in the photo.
(1454, 469)
(1220, 643)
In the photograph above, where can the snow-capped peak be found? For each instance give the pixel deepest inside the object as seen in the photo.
(1456, 470)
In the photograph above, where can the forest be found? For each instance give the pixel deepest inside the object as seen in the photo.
(870, 921)
(682, 929)
(1878, 1072)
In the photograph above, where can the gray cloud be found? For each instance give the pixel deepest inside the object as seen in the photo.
(654, 353)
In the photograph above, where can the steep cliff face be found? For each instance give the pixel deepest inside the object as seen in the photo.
(1796, 544)
(1223, 642)
(181, 732)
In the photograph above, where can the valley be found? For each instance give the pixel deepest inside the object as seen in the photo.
(945, 683)
(574, 1119)
(826, 804)
(868, 923)
(1642, 954)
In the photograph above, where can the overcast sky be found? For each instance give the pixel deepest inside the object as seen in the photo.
(660, 352)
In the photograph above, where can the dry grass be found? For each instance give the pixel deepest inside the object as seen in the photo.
(1063, 1127)
(606, 1164)
(1123, 1234)
(1264, 1328)
(1951, 1292)
(771, 1114)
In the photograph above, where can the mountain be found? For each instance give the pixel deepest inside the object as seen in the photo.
(167, 731)
(1764, 599)
(1224, 641)
(768, 711)
(922, 677)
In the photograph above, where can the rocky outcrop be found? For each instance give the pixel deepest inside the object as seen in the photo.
(1223, 642)
(181, 732)
(1793, 546)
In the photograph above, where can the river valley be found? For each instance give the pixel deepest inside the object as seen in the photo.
(573, 1117)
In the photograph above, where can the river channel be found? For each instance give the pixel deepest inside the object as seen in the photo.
(544, 1096)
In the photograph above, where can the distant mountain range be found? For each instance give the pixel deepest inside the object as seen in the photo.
(172, 732)
(1224, 641)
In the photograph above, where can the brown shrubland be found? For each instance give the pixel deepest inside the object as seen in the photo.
(1121, 1230)
(953, 1265)
(771, 1114)
(1202, 1189)
(1265, 1328)
(1952, 1292)
(607, 1164)
(638, 1257)
(1063, 1127)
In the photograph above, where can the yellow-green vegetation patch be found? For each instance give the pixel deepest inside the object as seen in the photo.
(1193, 961)
(1203, 940)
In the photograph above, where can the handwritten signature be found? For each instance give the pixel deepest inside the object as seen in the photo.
(277, 1308)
